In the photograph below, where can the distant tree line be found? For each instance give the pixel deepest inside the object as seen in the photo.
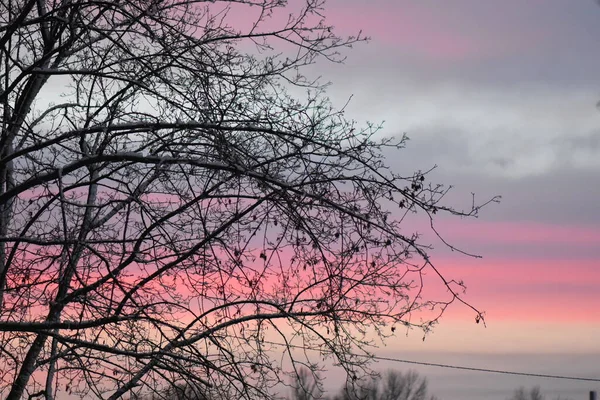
(391, 385)
(534, 393)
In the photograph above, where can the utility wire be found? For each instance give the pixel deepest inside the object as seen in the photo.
(460, 367)
(494, 371)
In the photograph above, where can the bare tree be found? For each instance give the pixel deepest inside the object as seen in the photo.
(394, 385)
(170, 214)
(532, 394)
(307, 385)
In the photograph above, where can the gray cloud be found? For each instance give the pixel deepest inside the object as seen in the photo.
(561, 197)
(519, 120)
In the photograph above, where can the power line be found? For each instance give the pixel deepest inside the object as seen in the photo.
(459, 367)
(494, 371)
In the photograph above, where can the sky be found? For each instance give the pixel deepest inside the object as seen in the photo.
(502, 96)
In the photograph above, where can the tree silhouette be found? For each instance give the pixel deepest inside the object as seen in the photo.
(307, 385)
(534, 393)
(170, 214)
(394, 385)
(531, 394)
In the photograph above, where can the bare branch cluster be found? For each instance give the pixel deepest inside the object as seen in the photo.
(167, 207)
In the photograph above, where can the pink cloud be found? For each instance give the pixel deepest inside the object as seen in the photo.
(516, 290)
(434, 33)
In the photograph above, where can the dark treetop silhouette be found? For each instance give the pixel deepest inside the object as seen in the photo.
(392, 385)
(166, 205)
